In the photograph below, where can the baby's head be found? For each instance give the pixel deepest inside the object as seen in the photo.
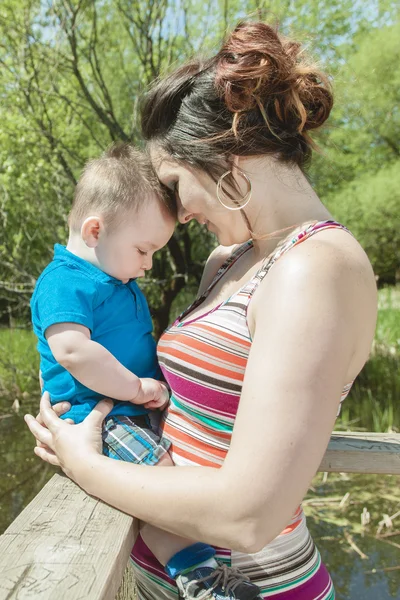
(120, 213)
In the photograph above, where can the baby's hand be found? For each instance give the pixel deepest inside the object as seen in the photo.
(153, 394)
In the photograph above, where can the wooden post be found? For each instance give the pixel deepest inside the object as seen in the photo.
(65, 545)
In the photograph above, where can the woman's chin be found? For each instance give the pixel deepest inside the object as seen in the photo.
(230, 240)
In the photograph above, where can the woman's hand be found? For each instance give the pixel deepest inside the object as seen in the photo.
(64, 444)
(60, 409)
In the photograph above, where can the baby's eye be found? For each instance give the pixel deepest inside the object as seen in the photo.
(142, 252)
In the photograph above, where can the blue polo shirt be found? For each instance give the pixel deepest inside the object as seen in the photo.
(72, 290)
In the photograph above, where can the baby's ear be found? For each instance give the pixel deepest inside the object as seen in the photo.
(91, 229)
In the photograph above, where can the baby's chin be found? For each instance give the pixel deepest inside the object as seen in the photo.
(127, 279)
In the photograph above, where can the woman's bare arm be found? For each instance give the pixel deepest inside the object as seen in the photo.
(313, 319)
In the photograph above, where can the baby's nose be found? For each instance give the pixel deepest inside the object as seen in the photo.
(148, 264)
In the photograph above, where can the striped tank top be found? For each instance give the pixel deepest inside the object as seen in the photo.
(204, 360)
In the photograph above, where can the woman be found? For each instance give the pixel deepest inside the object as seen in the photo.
(282, 325)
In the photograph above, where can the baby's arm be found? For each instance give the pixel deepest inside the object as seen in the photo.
(96, 368)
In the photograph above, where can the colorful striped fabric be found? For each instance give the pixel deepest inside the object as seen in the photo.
(204, 361)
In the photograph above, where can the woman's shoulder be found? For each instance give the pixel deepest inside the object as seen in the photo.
(328, 278)
(333, 258)
(332, 252)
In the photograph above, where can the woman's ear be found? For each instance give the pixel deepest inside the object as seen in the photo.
(91, 230)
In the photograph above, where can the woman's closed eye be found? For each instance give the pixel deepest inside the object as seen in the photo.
(142, 252)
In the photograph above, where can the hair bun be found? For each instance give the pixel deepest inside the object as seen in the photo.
(256, 69)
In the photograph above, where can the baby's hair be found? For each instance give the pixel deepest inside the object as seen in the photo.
(120, 181)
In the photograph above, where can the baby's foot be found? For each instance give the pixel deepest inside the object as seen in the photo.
(220, 583)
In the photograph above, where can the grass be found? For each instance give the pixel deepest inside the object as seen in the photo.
(19, 367)
(373, 403)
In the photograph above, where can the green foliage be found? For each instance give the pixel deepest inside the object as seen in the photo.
(373, 403)
(369, 206)
(358, 173)
(363, 133)
(71, 77)
(19, 365)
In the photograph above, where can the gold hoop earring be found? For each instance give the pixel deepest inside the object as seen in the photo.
(245, 200)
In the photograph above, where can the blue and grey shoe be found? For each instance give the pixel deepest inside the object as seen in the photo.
(221, 583)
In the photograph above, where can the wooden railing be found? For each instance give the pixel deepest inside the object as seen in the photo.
(67, 545)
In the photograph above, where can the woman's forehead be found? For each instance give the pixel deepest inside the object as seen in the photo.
(165, 165)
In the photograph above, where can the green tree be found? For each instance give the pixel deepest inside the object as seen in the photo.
(369, 205)
(363, 133)
(71, 74)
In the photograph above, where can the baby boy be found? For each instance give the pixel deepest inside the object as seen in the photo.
(95, 339)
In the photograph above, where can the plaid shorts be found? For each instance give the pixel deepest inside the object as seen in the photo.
(133, 439)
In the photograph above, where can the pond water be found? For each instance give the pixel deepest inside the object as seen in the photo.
(356, 578)
(22, 475)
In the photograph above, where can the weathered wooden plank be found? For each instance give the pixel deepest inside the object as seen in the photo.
(68, 545)
(65, 545)
(353, 452)
(127, 590)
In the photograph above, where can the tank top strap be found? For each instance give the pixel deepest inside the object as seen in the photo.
(226, 265)
(296, 237)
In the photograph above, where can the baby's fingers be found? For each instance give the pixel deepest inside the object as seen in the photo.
(153, 404)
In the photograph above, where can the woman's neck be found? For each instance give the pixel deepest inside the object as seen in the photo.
(282, 199)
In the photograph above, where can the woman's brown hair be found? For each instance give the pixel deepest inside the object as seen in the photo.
(258, 96)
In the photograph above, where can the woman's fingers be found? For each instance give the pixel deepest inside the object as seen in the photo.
(47, 455)
(41, 434)
(60, 409)
(96, 417)
(70, 421)
(49, 417)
